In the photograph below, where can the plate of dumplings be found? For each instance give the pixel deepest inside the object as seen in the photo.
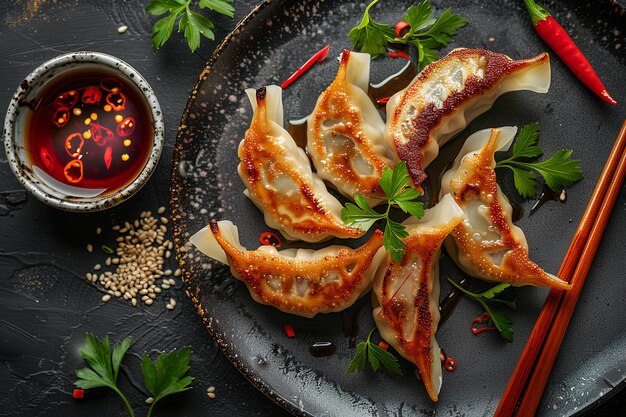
(254, 160)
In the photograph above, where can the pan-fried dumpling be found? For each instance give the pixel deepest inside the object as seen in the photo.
(450, 93)
(345, 133)
(407, 294)
(297, 281)
(279, 179)
(487, 245)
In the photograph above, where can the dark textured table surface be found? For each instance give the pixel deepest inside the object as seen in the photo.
(46, 305)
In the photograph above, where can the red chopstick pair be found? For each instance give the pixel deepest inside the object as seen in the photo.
(527, 384)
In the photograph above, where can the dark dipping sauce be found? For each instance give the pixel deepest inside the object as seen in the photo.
(320, 349)
(89, 127)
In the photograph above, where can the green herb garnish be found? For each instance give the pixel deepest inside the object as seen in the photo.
(103, 368)
(487, 298)
(394, 184)
(164, 377)
(426, 33)
(375, 355)
(558, 171)
(192, 24)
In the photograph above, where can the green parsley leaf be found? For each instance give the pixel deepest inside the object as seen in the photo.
(558, 171)
(221, 6)
(501, 321)
(166, 376)
(376, 356)
(192, 24)
(394, 184)
(426, 33)
(103, 369)
(370, 36)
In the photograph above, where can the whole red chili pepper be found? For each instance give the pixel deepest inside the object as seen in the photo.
(557, 38)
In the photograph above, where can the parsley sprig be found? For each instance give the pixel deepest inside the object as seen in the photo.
(558, 171)
(426, 33)
(375, 355)
(163, 377)
(192, 24)
(394, 184)
(488, 299)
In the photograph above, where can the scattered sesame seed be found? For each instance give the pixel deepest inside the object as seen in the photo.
(122, 29)
(177, 272)
(89, 247)
(164, 220)
(169, 306)
(106, 297)
(97, 267)
(98, 230)
(161, 210)
(173, 301)
(148, 302)
(211, 395)
(88, 276)
(210, 389)
(149, 400)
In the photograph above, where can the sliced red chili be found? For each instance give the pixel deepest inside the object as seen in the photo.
(73, 171)
(78, 394)
(319, 56)
(481, 320)
(402, 28)
(100, 134)
(450, 365)
(108, 156)
(383, 100)
(269, 238)
(111, 85)
(290, 331)
(398, 54)
(92, 95)
(126, 127)
(383, 345)
(46, 159)
(74, 144)
(61, 117)
(67, 99)
(117, 101)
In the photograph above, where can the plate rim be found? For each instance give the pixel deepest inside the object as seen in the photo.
(180, 242)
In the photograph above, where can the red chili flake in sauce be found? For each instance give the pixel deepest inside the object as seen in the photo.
(383, 345)
(73, 171)
(67, 99)
(100, 134)
(398, 54)
(450, 365)
(108, 156)
(92, 95)
(481, 320)
(61, 116)
(74, 144)
(78, 394)
(46, 158)
(126, 127)
(117, 101)
(111, 85)
(290, 331)
(269, 238)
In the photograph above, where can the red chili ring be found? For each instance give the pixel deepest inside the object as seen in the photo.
(269, 238)
(450, 365)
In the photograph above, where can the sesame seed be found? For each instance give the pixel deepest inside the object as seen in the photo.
(97, 267)
(177, 272)
(148, 302)
(210, 389)
(122, 29)
(169, 306)
(98, 230)
(106, 297)
(149, 400)
(164, 220)
(89, 247)
(161, 210)
(173, 301)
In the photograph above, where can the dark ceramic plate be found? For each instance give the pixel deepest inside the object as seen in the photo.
(264, 49)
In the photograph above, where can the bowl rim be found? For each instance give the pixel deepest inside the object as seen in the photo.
(21, 170)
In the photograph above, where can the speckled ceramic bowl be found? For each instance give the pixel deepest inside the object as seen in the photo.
(44, 187)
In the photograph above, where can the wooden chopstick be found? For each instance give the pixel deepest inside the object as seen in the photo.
(537, 338)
